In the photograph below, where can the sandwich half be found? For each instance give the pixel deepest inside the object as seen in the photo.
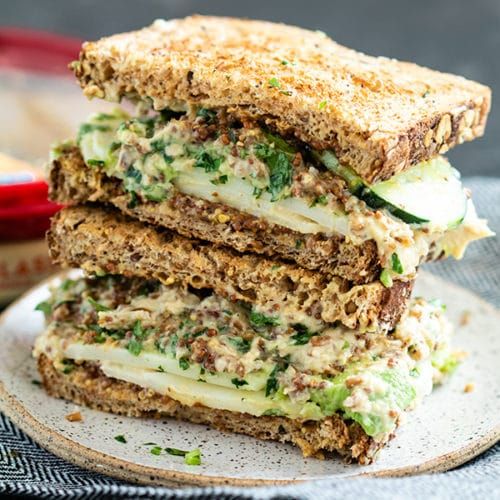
(278, 141)
(250, 223)
(138, 347)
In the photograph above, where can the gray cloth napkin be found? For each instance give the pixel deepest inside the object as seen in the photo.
(27, 469)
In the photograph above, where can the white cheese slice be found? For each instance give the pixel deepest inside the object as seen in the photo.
(191, 392)
(158, 362)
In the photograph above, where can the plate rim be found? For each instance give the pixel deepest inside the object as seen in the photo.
(100, 462)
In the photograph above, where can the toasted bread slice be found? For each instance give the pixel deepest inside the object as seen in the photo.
(100, 240)
(72, 182)
(379, 115)
(87, 385)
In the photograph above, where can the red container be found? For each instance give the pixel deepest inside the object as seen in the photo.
(38, 62)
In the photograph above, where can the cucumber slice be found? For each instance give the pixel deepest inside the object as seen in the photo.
(430, 192)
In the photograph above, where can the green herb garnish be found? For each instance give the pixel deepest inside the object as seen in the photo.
(134, 347)
(69, 366)
(156, 450)
(396, 265)
(319, 200)
(259, 321)
(238, 382)
(193, 457)
(44, 307)
(303, 335)
(322, 104)
(220, 180)
(208, 115)
(272, 382)
(208, 162)
(120, 438)
(95, 163)
(279, 164)
(274, 82)
(97, 306)
(241, 345)
(184, 363)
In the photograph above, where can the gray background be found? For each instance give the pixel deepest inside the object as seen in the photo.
(458, 36)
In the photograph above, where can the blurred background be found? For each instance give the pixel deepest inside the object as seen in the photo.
(40, 103)
(458, 36)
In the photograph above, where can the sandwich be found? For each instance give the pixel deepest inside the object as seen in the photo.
(249, 224)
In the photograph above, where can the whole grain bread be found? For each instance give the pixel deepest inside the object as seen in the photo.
(379, 115)
(100, 240)
(87, 385)
(72, 182)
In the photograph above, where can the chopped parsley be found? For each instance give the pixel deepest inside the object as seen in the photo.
(220, 180)
(97, 306)
(345, 345)
(303, 335)
(322, 104)
(36, 382)
(396, 265)
(272, 382)
(279, 164)
(95, 163)
(121, 438)
(192, 457)
(69, 366)
(208, 162)
(319, 200)
(259, 321)
(184, 363)
(67, 284)
(238, 382)
(44, 307)
(175, 452)
(173, 344)
(134, 347)
(139, 335)
(208, 115)
(274, 82)
(241, 345)
(134, 200)
(156, 450)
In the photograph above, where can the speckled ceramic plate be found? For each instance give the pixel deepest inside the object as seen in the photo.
(451, 426)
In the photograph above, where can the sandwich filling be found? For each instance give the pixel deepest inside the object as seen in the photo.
(208, 155)
(199, 348)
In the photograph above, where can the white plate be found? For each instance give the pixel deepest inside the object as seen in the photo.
(448, 429)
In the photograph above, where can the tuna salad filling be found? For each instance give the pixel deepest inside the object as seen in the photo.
(421, 212)
(199, 348)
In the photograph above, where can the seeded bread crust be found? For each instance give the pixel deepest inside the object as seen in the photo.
(379, 115)
(87, 385)
(100, 240)
(72, 182)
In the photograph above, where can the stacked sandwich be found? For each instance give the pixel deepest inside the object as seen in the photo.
(251, 230)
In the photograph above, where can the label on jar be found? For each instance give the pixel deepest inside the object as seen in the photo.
(22, 265)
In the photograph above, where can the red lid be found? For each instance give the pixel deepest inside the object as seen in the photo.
(24, 207)
(37, 50)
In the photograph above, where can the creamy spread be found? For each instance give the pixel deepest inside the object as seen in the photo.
(208, 156)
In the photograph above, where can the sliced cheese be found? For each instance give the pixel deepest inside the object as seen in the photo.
(191, 392)
(158, 362)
